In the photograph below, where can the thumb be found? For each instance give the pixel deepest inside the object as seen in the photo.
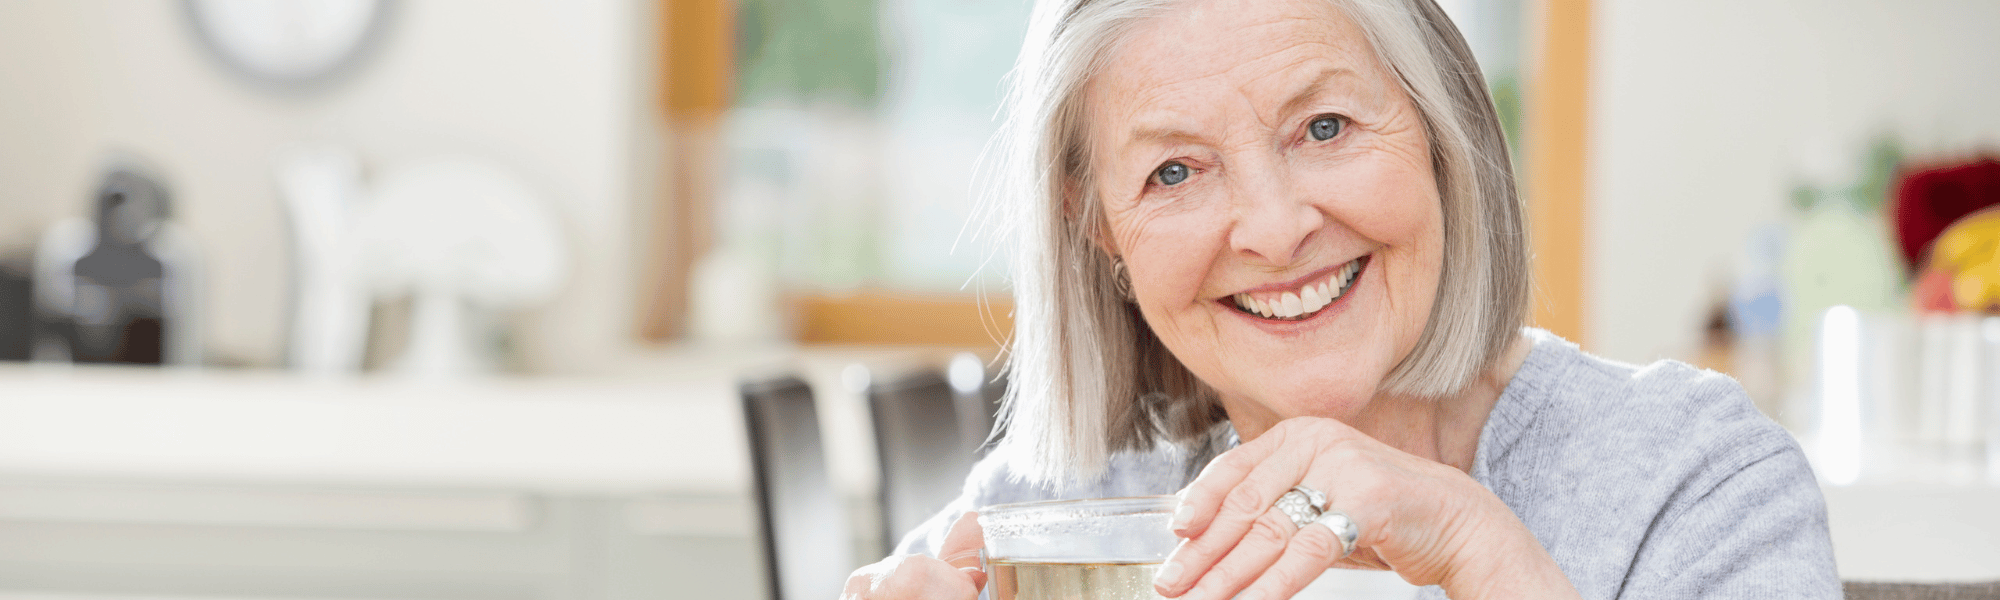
(962, 545)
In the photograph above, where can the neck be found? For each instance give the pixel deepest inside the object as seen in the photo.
(1445, 430)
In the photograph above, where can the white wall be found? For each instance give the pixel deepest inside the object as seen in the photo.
(1701, 110)
(554, 90)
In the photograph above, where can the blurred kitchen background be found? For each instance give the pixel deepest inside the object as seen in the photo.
(444, 299)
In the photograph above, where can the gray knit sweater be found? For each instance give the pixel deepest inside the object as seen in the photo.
(1660, 481)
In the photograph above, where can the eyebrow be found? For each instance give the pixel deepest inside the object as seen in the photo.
(1305, 95)
(1312, 90)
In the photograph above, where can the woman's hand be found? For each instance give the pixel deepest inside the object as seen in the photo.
(1430, 523)
(953, 575)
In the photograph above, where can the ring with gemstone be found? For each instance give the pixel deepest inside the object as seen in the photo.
(1302, 504)
(1343, 527)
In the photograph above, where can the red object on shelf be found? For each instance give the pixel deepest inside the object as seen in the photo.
(1928, 201)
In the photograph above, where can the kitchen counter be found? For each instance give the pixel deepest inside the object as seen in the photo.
(669, 421)
(556, 436)
(653, 450)
(633, 482)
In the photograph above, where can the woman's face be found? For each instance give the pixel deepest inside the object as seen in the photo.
(1269, 187)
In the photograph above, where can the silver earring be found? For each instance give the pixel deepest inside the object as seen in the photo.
(1121, 279)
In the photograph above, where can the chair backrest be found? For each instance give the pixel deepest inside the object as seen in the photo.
(808, 548)
(929, 430)
(923, 451)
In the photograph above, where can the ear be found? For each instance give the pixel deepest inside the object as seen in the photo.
(1100, 235)
(1091, 222)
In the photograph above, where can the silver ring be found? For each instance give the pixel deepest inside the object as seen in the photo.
(1343, 528)
(1302, 504)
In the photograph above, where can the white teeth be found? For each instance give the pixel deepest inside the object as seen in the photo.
(1249, 304)
(1309, 299)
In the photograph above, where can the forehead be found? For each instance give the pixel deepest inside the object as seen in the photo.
(1250, 51)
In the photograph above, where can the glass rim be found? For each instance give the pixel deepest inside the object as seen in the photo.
(1123, 505)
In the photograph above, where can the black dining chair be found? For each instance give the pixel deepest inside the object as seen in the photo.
(808, 546)
(928, 433)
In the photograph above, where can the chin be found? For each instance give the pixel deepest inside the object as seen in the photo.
(1318, 388)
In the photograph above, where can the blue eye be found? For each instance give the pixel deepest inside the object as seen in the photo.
(1172, 173)
(1324, 128)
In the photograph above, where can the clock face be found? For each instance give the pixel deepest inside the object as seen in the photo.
(288, 42)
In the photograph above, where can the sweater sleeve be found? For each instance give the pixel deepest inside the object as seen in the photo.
(989, 483)
(926, 538)
(1758, 531)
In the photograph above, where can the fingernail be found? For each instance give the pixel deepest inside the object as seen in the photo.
(1169, 575)
(1183, 515)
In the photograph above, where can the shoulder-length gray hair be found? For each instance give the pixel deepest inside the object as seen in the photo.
(1087, 375)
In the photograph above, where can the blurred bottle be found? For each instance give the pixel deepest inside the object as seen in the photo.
(321, 189)
(119, 305)
(1756, 311)
(119, 289)
(1838, 254)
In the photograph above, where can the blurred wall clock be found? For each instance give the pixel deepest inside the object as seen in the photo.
(290, 44)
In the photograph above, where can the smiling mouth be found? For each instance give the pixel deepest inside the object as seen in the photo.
(1304, 301)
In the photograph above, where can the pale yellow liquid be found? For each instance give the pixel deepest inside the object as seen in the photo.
(1072, 580)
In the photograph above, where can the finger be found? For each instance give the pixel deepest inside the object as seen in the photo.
(1365, 559)
(865, 577)
(962, 545)
(1311, 552)
(1203, 496)
(910, 577)
(1243, 507)
(1247, 558)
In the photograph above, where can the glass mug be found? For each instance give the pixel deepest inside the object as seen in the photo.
(1099, 549)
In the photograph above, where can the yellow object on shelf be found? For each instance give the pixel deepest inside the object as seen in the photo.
(1970, 251)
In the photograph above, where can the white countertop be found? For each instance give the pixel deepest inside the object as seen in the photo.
(1915, 532)
(672, 425)
(260, 427)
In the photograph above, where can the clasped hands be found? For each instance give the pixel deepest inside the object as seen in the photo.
(1429, 522)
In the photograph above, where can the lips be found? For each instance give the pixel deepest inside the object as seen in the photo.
(1304, 300)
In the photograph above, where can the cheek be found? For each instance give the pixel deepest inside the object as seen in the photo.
(1417, 262)
(1390, 204)
(1169, 254)
(1396, 206)
(1168, 282)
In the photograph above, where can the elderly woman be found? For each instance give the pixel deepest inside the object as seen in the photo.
(1272, 250)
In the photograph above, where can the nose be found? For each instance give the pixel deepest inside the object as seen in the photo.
(1274, 218)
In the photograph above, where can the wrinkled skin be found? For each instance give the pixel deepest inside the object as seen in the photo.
(1249, 147)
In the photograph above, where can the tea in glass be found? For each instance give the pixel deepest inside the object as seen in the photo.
(1100, 549)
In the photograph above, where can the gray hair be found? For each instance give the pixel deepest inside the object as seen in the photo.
(1087, 376)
